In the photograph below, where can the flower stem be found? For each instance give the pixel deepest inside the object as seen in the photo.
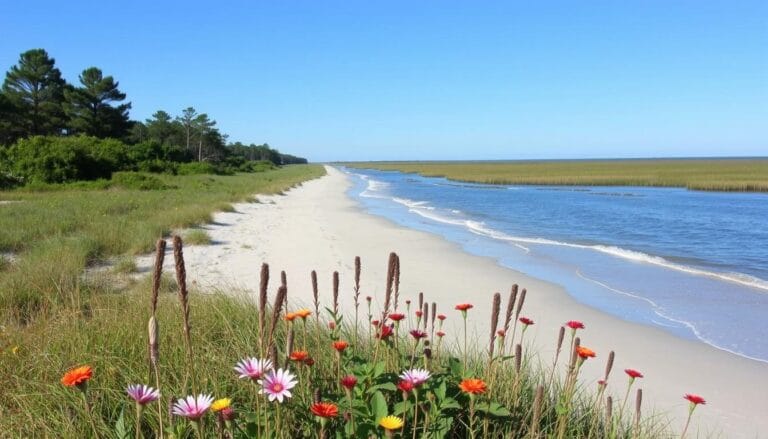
(90, 414)
(415, 412)
(139, 408)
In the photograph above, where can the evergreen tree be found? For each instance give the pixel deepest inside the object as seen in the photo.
(35, 89)
(90, 107)
(161, 127)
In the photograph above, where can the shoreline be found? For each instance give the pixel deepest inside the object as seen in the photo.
(317, 226)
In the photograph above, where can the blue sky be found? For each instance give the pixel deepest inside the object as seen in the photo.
(375, 80)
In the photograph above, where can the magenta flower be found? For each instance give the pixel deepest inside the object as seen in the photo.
(142, 394)
(415, 333)
(277, 384)
(253, 368)
(193, 408)
(415, 376)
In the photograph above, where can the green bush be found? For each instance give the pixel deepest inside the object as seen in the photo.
(195, 168)
(136, 180)
(49, 159)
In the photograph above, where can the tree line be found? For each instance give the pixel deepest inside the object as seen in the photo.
(41, 113)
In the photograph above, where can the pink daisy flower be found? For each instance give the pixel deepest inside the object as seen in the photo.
(193, 408)
(253, 368)
(142, 394)
(277, 385)
(415, 376)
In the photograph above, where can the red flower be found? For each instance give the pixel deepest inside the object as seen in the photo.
(575, 324)
(396, 317)
(464, 306)
(408, 302)
(501, 333)
(340, 345)
(441, 317)
(633, 373)
(324, 409)
(385, 332)
(694, 399)
(299, 355)
(415, 333)
(349, 381)
(585, 352)
(601, 383)
(77, 376)
(526, 321)
(368, 298)
(440, 334)
(331, 325)
(405, 386)
(309, 361)
(419, 314)
(375, 322)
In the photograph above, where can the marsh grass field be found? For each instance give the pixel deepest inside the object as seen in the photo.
(739, 175)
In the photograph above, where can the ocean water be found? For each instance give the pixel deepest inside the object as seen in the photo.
(692, 263)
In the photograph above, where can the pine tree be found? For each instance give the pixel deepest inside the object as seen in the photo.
(90, 107)
(35, 89)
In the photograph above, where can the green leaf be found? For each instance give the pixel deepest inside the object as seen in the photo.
(121, 430)
(455, 367)
(441, 390)
(389, 386)
(379, 368)
(378, 406)
(449, 403)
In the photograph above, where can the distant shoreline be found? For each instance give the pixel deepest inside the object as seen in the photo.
(727, 174)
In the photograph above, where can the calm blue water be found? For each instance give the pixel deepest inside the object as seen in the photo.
(693, 263)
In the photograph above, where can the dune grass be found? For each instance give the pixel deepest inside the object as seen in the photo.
(741, 175)
(56, 233)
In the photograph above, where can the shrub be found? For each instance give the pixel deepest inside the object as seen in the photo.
(136, 180)
(195, 168)
(50, 159)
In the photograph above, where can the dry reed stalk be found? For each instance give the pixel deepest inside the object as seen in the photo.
(609, 366)
(421, 300)
(538, 400)
(154, 358)
(157, 273)
(396, 281)
(508, 315)
(425, 315)
(315, 295)
(560, 338)
(520, 302)
(284, 282)
(357, 297)
(609, 412)
(335, 293)
(273, 354)
(280, 300)
(390, 285)
(432, 324)
(495, 310)
(181, 279)
(263, 285)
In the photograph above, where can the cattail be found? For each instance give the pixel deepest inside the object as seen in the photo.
(158, 272)
(316, 395)
(263, 285)
(335, 292)
(520, 303)
(284, 282)
(608, 410)
(425, 315)
(181, 279)
(609, 366)
(560, 338)
(518, 358)
(396, 280)
(390, 282)
(495, 309)
(315, 294)
(357, 278)
(538, 399)
(273, 354)
(154, 342)
(638, 403)
(575, 353)
(421, 300)
(510, 308)
(280, 298)
(434, 314)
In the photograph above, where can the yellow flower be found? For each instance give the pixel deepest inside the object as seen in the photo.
(221, 404)
(391, 422)
(15, 350)
(303, 313)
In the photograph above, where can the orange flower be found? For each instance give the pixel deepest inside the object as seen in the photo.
(340, 345)
(325, 409)
(299, 355)
(585, 353)
(464, 306)
(290, 316)
(77, 376)
(303, 313)
(473, 386)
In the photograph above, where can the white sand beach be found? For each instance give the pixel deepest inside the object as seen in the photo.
(317, 226)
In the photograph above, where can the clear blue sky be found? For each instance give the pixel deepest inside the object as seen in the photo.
(344, 80)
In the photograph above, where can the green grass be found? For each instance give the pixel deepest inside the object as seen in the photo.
(197, 237)
(56, 234)
(744, 175)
